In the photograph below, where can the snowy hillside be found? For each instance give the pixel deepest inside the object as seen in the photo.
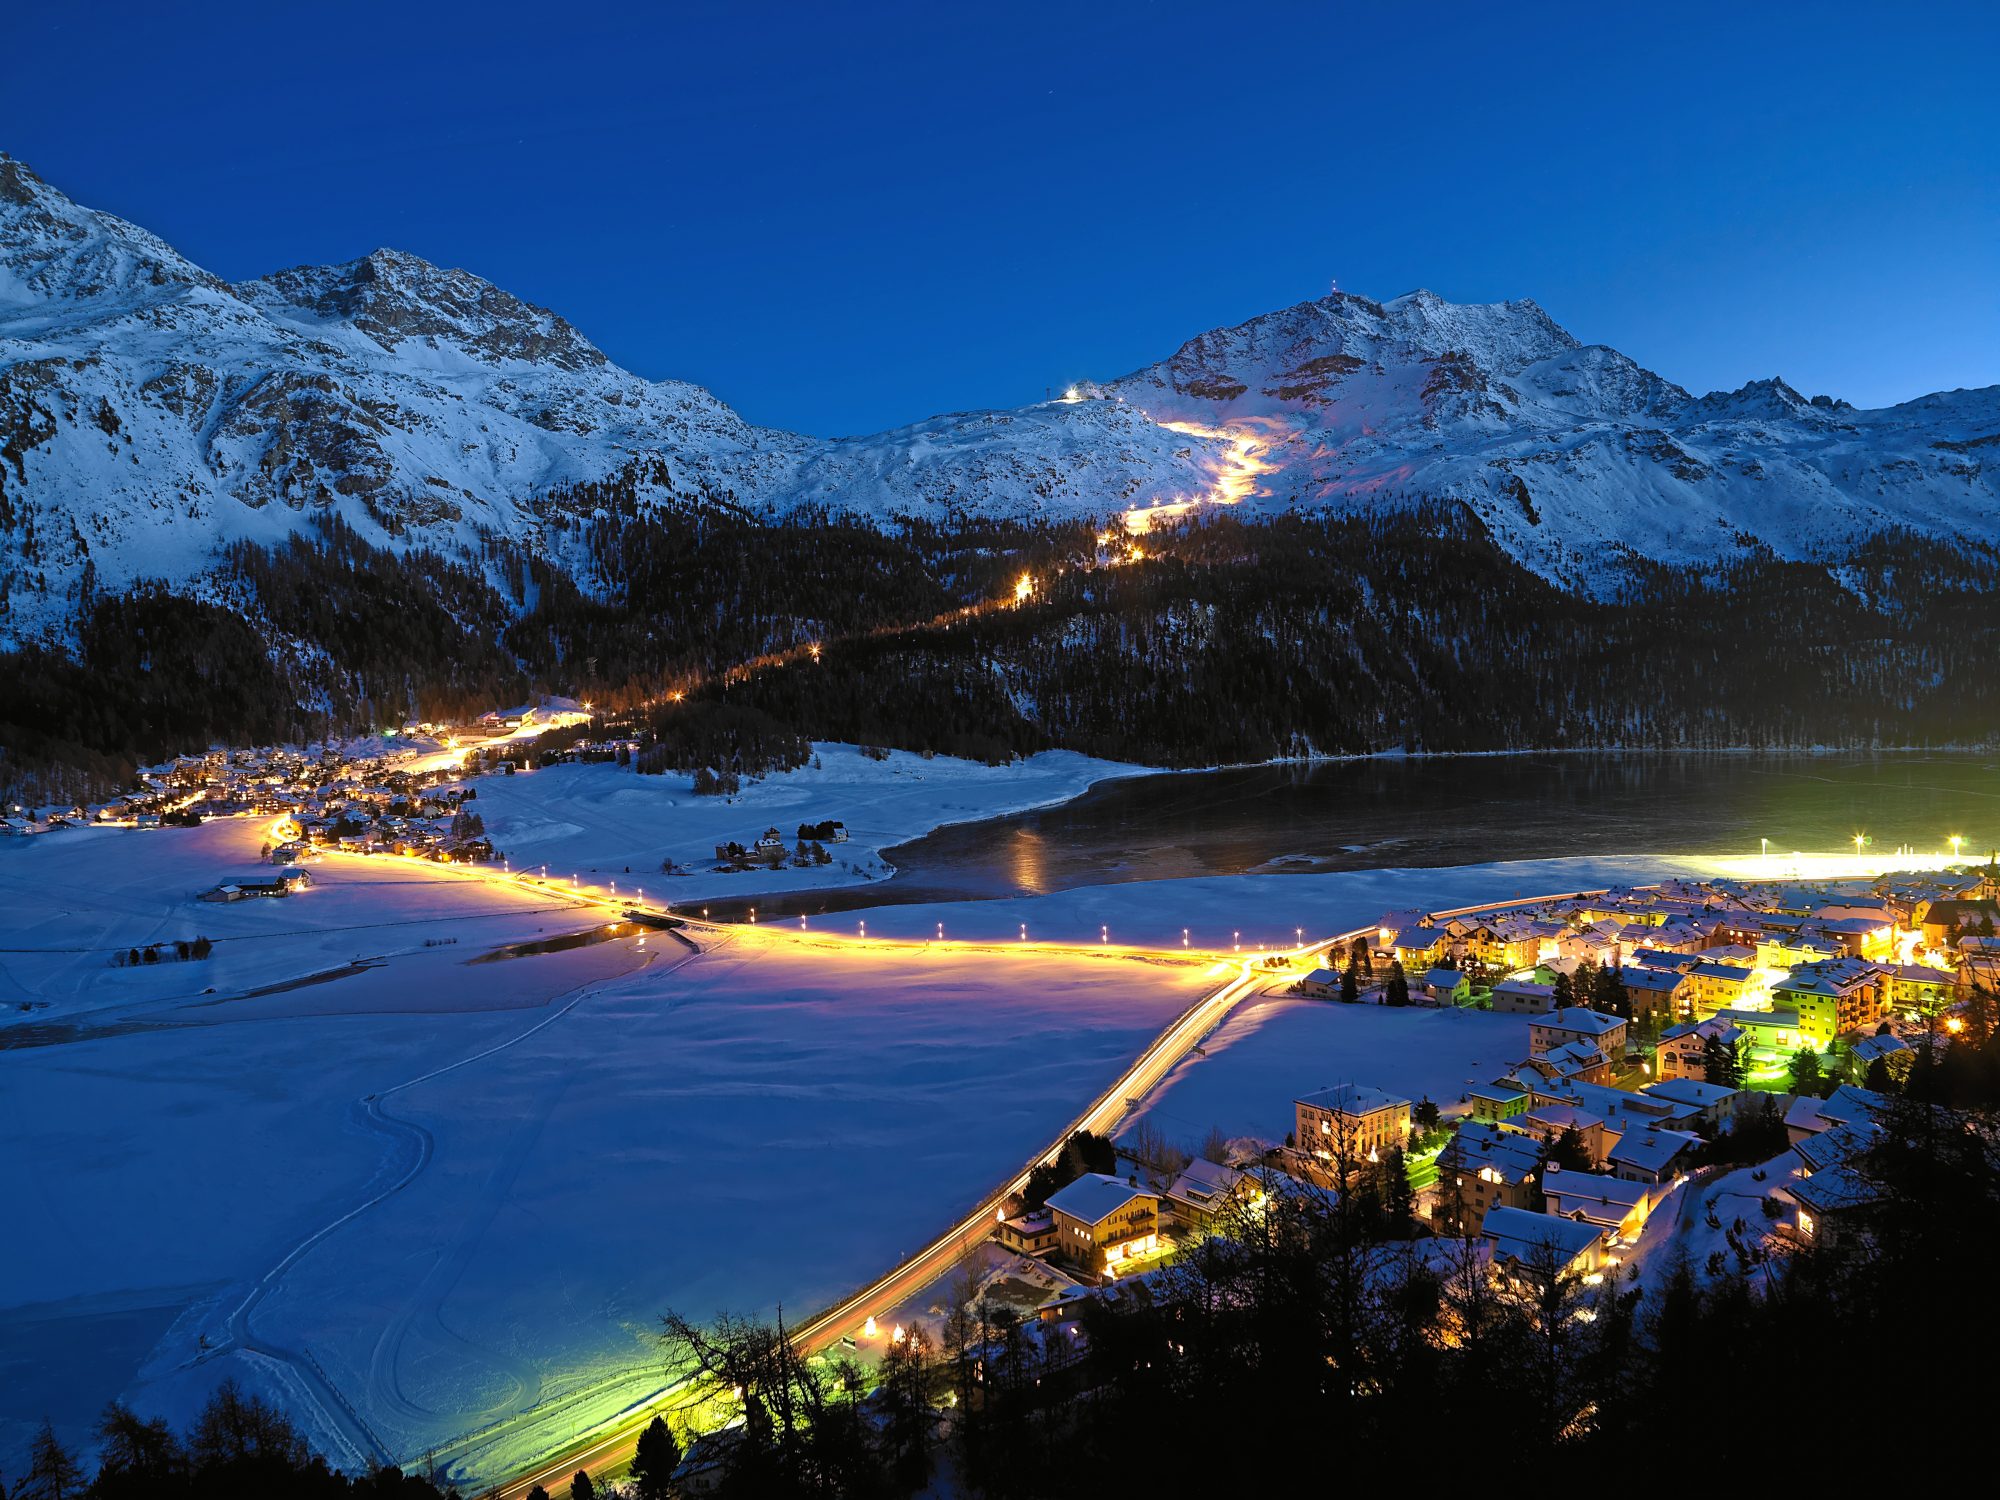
(1567, 451)
(151, 413)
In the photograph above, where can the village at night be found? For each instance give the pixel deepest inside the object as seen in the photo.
(573, 929)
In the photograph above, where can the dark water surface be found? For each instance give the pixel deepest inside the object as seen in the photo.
(1361, 815)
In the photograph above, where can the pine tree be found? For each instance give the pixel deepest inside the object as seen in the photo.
(1569, 1152)
(1807, 1075)
(1565, 991)
(1718, 1063)
(1397, 991)
(580, 1488)
(654, 1461)
(53, 1472)
(1399, 1199)
(1350, 984)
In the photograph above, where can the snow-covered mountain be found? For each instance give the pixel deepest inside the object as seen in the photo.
(1571, 453)
(151, 413)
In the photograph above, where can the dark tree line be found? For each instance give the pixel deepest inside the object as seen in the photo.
(1231, 641)
(240, 1447)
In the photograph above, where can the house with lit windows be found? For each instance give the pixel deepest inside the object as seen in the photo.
(1830, 999)
(1576, 1023)
(1537, 1246)
(1350, 1120)
(1483, 1166)
(1716, 986)
(1916, 988)
(1104, 1223)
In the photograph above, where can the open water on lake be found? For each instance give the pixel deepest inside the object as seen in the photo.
(1456, 810)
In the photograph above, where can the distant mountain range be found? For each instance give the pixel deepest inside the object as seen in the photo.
(151, 413)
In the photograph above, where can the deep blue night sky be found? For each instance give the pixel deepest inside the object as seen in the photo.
(841, 218)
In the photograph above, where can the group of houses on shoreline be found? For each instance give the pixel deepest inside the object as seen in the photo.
(1607, 1109)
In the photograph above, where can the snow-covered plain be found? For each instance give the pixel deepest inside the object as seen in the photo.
(420, 1198)
(1275, 1049)
(602, 820)
(434, 1203)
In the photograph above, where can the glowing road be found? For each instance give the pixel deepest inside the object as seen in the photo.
(613, 1446)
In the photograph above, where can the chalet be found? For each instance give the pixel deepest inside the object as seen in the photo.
(1828, 1203)
(1892, 1052)
(1541, 1247)
(770, 842)
(1779, 951)
(1944, 919)
(1493, 1102)
(1523, 997)
(1031, 1233)
(1582, 1062)
(1682, 1051)
(1485, 1166)
(1548, 1122)
(1418, 948)
(1205, 1191)
(1443, 986)
(1103, 1223)
(1657, 1154)
(245, 887)
(1576, 1023)
(1320, 984)
(1713, 1104)
(1776, 1033)
(1610, 1203)
(1844, 1106)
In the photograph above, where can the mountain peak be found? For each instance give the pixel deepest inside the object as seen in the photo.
(56, 250)
(393, 295)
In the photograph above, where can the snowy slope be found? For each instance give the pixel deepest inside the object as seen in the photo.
(151, 413)
(1569, 452)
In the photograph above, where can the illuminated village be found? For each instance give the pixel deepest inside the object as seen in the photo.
(912, 817)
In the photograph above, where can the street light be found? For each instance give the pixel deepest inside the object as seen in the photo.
(1955, 842)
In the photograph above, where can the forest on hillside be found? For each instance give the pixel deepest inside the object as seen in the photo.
(1226, 641)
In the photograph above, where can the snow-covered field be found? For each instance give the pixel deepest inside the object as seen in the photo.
(434, 1203)
(71, 900)
(419, 1198)
(1275, 1049)
(606, 822)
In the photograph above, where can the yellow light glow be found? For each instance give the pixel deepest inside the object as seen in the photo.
(1232, 475)
(1024, 589)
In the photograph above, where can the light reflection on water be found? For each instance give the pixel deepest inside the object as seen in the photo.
(1435, 812)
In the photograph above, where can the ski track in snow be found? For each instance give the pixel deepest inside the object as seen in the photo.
(337, 1413)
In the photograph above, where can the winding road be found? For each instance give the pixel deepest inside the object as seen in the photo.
(611, 1445)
